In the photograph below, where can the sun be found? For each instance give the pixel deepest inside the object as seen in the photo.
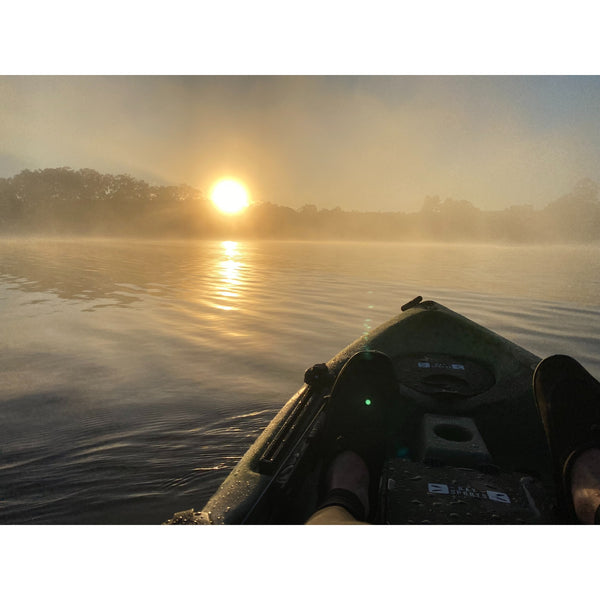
(230, 196)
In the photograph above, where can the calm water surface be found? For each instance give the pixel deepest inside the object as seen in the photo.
(136, 374)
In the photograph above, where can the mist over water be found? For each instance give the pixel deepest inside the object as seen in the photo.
(136, 374)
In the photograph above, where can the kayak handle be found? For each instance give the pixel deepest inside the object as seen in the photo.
(414, 302)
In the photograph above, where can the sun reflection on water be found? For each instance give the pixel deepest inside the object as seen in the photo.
(230, 275)
(231, 248)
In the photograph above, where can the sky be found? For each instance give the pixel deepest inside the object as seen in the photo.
(318, 103)
(379, 143)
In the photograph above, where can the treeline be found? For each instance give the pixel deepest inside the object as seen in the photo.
(66, 202)
(63, 201)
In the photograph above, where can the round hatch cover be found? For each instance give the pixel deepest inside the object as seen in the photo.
(443, 375)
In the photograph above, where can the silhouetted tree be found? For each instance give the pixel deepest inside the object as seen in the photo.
(576, 215)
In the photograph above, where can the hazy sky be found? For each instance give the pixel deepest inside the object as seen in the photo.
(361, 143)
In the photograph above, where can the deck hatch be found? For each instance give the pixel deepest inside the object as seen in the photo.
(442, 375)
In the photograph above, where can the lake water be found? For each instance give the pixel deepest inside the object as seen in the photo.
(136, 374)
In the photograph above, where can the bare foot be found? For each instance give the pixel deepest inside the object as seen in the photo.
(349, 472)
(585, 485)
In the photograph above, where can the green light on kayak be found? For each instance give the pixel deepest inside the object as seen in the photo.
(368, 401)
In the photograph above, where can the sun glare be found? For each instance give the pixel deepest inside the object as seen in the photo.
(230, 196)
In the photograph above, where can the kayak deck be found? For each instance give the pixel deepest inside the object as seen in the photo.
(461, 439)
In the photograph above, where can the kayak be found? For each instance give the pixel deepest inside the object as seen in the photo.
(442, 410)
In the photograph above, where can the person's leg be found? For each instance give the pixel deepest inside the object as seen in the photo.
(347, 498)
(585, 486)
(333, 515)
